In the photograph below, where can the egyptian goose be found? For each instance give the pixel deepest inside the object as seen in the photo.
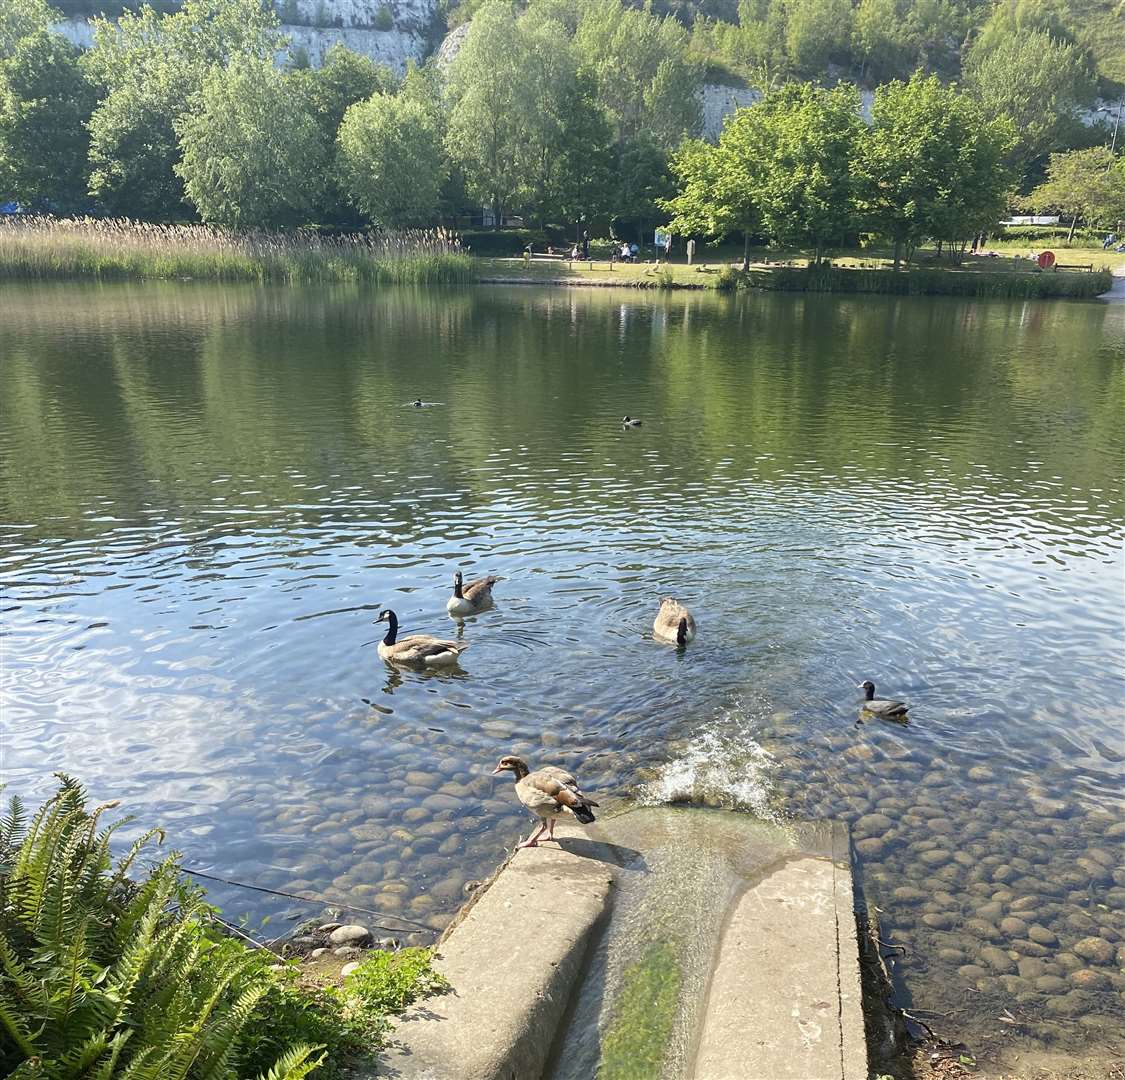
(548, 792)
(888, 710)
(471, 598)
(674, 623)
(417, 648)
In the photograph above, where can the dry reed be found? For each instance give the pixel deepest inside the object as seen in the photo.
(46, 248)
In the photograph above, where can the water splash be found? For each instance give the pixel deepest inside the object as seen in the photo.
(718, 768)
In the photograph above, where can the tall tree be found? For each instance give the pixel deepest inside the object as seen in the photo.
(21, 19)
(343, 79)
(151, 69)
(488, 107)
(1038, 80)
(643, 75)
(801, 142)
(391, 160)
(45, 103)
(818, 32)
(931, 153)
(252, 152)
(717, 186)
(1086, 185)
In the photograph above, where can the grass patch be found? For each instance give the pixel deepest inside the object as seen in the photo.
(55, 249)
(636, 1041)
(103, 975)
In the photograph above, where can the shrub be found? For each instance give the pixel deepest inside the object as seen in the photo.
(384, 19)
(102, 976)
(729, 279)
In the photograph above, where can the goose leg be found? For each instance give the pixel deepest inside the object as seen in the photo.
(533, 839)
(550, 829)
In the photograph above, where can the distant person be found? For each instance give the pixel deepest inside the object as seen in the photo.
(624, 254)
(667, 245)
(1109, 241)
(634, 251)
(574, 252)
(585, 244)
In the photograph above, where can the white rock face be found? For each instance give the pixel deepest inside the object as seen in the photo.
(351, 22)
(719, 102)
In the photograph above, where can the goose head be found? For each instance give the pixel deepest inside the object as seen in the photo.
(417, 403)
(511, 763)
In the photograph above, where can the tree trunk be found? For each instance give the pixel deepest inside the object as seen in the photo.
(898, 252)
(746, 251)
(496, 213)
(1073, 224)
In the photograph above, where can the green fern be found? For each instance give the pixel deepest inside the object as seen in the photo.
(102, 978)
(294, 1064)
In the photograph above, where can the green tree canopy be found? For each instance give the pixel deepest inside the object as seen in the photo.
(931, 153)
(21, 19)
(1086, 185)
(1037, 80)
(802, 141)
(391, 160)
(151, 69)
(642, 72)
(45, 103)
(252, 151)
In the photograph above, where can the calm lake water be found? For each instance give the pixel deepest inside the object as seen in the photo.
(208, 493)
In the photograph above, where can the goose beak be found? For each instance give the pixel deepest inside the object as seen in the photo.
(860, 686)
(497, 771)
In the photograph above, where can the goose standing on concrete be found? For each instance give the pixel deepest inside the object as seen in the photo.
(674, 623)
(421, 649)
(471, 598)
(549, 793)
(888, 710)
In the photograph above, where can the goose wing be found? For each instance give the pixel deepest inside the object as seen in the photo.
(418, 647)
(550, 789)
(480, 588)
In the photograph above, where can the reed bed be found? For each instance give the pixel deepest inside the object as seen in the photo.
(935, 282)
(45, 248)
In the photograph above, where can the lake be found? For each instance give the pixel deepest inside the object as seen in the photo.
(208, 494)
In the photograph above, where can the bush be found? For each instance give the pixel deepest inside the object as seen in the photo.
(729, 279)
(384, 20)
(102, 976)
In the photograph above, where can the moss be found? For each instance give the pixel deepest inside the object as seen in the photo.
(634, 1045)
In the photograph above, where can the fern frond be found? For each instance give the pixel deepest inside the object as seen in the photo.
(294, 1064)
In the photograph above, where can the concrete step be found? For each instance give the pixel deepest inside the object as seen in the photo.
(707, 944)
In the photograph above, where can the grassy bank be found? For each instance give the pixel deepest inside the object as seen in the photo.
(47, 249)
(857, 273)
(932, 282)
(113, 972)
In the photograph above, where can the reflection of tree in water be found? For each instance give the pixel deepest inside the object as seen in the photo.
(148, 395)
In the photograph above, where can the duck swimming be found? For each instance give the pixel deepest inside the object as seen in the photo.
(422, 649)
(888, 710)
(629, 421)
(471, 598)
(674, 623)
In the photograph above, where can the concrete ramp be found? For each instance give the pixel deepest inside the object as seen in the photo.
(668, 943)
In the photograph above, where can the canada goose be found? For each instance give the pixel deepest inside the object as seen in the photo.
(889, 710)
(628, 421)
(417, 403)
(417, 648)
(673, 623)
(548, 792)
(471, 598)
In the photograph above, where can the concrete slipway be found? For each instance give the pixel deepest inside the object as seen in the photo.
(666, 943)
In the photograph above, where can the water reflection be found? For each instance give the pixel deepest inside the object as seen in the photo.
(208, 492)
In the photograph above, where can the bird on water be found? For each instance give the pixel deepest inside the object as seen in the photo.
(471, 598)
(422, 649)
(887, 709)
(674, 623)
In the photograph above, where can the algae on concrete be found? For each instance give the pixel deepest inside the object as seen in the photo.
(636, 1042)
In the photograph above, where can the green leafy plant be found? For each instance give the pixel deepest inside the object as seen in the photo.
(103, 977)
